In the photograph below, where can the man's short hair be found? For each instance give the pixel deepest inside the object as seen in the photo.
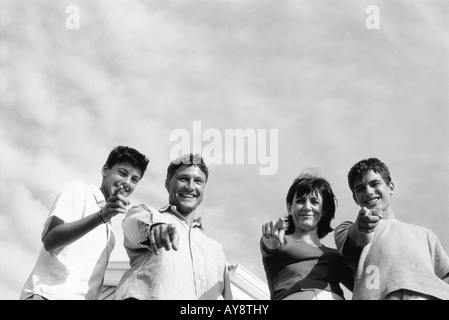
(121, 154)
(361, 168)
(187, 160)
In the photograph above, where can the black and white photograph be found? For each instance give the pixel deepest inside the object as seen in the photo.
(224, 150)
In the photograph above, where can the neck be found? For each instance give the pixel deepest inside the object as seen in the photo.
(103, 191)
(309, 237)
(188, 216)
(387, 213)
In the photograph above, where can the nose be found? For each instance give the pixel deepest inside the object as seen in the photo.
(369, 189)
(190, 185)
(126, 181)
(307, 205)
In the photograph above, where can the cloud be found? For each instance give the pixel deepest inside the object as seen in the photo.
(138, 70)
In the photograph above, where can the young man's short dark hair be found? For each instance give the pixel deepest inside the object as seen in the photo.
(360, 169)
(122, 154)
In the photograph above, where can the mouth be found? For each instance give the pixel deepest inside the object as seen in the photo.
(187, 196)
(125, 189)
(372, 201)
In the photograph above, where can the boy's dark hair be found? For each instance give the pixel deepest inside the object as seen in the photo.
(122, 154)
(363, 166)
(187, 160)
(305, 184)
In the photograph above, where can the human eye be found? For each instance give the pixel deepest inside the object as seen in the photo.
(300, 200)
(358, 189)
(376, 183)
(199, 181)
(122, 173)
(135, 180)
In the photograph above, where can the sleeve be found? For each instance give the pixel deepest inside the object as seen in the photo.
(344, 244)
(136, 225)
(69, 204)
(439, 256)
(348, 274)
(265, 251)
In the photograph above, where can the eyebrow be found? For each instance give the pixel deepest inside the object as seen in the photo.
(369, 182)
(317, 196)
(126, 170)
(185, 175)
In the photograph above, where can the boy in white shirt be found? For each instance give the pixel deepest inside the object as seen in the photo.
(393, 260)
(78, 237)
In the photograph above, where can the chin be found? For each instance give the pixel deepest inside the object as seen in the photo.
(188, 208)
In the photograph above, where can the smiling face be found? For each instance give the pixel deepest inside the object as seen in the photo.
(186, 188)
(372, 192)
(306, 211)
(120, 174)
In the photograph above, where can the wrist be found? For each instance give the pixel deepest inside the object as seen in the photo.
(100, 218)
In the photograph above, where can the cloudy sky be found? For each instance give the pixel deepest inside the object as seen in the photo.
(320, 84)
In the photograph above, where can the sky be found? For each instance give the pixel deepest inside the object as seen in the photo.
(315, 84)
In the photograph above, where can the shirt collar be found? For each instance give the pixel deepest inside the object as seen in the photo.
(99, 196)
(197, 222)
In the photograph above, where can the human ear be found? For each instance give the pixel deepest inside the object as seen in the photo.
(355, 198)
(391, 186)
(104, 170)
(167, 184)
(289, 209)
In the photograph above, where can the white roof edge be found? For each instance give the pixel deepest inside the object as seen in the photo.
(254, 286)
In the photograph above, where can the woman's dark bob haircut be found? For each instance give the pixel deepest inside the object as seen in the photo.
(303, 185)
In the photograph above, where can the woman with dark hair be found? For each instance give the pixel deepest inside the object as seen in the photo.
(297, 265)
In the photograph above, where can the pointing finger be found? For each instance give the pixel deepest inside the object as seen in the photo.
(281, 231)
(173, 235)
(152, 239)
(117, 190)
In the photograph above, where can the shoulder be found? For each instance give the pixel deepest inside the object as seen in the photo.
(417, 230)
(412, 227)
(342, 228)
(75, 189)
(75, 186)
(142, 209)
(344, 225)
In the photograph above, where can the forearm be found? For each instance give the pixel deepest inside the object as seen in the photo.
(61, 234)
(270, 243)
(358, 238)
(136, 228)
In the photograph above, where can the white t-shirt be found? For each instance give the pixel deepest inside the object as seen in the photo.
(400, 256)
(76, 271)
